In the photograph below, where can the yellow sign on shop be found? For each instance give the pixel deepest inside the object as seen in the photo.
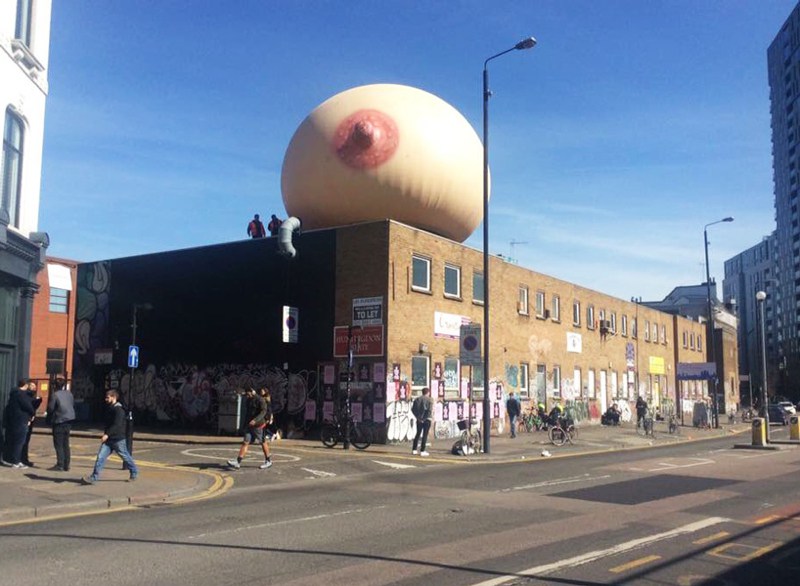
(657, 365)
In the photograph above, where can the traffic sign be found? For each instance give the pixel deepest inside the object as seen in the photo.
(470, 344)
(133, 356)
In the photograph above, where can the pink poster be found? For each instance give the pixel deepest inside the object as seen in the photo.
(327, 411)
(311, 411)
(378, 372)
(379, 413)
(328, 374)
(357, 411)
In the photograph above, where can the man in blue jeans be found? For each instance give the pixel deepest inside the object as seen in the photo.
(513, 409)
(113, 440)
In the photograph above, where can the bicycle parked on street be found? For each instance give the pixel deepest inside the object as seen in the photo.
(470, 441)
(333, 432)
(530, 421)
(563, 431)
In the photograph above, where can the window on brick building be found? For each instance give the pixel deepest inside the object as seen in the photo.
(576, 313)
(555, 308)
(541, 382)
(590, 317)
(11, 167)
(613, 322)
(634, 327)
(477, 288)
(55, 360)
(556, 381)
(540, 304)
(522, 306)
(59, 300)
(452, 281)
(646, 330)
(420, 371)
(625, 325)
(421, 273)
(685, 339)
(523, 380)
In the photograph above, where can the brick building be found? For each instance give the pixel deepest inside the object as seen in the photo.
(53, 329)
(219, 318)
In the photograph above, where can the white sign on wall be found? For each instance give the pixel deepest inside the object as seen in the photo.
(470, 345)
(448, 325)
(368, 311)
(574, 342)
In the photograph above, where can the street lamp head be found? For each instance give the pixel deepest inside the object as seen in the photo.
(728, 219)
(761, 295)
(528, 43)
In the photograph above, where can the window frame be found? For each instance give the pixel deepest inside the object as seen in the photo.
(555, 308)
(51, 359)
(539, 303)
(427, 360)
(524, 380)
(523, 301)
(13, 155)
(482, 289)
(24, 20)
(624, 325)
(590, 317)
(457, 270)
(556, 380)
(55, 304)
(647, 330)
(576, 313)
(427, 261)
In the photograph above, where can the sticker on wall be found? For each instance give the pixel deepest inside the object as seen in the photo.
(378, 391)
(437, 370)
(441, 389)
(395, 371)
(363, 373)
(403, 390)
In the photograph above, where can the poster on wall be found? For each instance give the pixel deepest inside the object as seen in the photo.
(496, 411)
(403, 390)
(437, 370)
(378, 389)
(379, 413)
(328, 374)
(311, 411)
(460, 410)
(327, 411)
(363, 373)
(357, 410)
(445, 411)
(438, 409)
(378, 372)
(395, 371)
(441, 389)
(464, 388)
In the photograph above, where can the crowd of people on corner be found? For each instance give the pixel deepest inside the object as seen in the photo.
(255, 228)
(23, 402)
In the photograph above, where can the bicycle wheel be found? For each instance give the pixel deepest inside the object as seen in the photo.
(527, 422)
(572, 431)
(557, 435)
(329, 435)
(360, 437)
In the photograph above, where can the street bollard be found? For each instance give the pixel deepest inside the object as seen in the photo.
(759, 432)
(794, 428)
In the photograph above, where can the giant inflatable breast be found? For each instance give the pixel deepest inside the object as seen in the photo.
(385, 151)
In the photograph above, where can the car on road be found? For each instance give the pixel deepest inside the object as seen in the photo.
(778, 415)
(787, 405)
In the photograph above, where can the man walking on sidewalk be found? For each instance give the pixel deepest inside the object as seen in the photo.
(513, 409)
(422, 409)
(113, 440)
(258, 414)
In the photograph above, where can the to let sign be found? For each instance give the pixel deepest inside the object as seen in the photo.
(368, 311)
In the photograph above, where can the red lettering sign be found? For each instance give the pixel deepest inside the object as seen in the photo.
(366, 341)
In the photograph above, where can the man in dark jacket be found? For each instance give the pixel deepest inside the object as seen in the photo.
(113, 439)
(61, 413)
(641, 410)
(422, 409)
(513, 410)
(19, 413)
(258, 415)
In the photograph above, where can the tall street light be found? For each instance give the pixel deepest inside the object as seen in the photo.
(528, 43)
(710, 325)
(760, 297)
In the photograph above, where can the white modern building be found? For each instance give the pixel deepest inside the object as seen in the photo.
(24, 53)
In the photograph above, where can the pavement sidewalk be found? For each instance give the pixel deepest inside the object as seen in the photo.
(38, 493)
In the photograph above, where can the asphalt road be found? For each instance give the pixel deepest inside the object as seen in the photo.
(700, 513)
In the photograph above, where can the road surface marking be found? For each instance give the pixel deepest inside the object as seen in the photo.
(592, 556)
(670, 466)
(711, 538)
(394, 465)
(768, 519)
(581, 478)
(755, 552)
(252, 456)
(634, 564)
(319, 473)
(288, 522)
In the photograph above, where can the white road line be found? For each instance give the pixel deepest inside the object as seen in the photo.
(319, 473)
(287, 522)
(581, 478)
(394, 465)
(538, 571)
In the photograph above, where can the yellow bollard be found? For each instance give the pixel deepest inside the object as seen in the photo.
(794, 427)
(759, 432)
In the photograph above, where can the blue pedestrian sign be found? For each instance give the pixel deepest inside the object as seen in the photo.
(133, 356)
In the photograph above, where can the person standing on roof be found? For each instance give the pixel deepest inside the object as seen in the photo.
(255, 229)
(274, 225)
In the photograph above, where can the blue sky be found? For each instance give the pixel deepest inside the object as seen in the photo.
(627, 128)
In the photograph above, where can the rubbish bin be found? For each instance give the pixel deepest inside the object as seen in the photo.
(759, 432)
(229, 416)
(794, 427)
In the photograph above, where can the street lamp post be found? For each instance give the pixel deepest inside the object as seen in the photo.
(760, 297)
(129, 401)
(528, 43)
(710, 326)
